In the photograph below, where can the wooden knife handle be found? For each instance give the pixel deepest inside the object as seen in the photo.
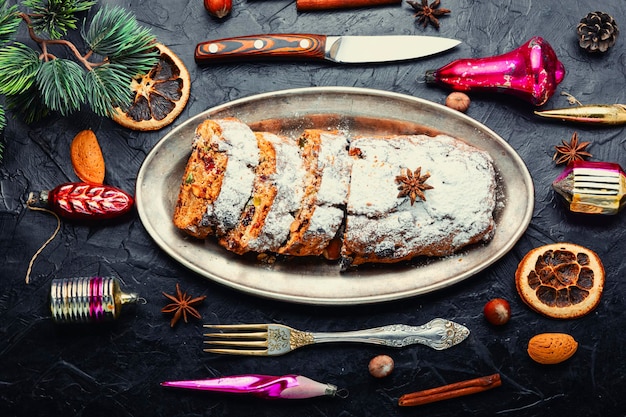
(302, 46)
(313, 5)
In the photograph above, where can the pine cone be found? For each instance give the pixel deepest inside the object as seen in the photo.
(597, 32)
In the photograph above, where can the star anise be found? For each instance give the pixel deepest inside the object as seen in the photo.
(413, 184)
(426, 13)
(181, 306)
(569, 152)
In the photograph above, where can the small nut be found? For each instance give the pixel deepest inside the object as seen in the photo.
(198, 191)
(380, 366)
(551, 348)
(497, 311)
(218, 8)
(333, 250)
(458, 101)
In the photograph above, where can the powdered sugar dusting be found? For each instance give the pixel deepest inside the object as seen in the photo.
(240, 145)
(289, 181)
(334, 165)
(457, 210)
(324, 225)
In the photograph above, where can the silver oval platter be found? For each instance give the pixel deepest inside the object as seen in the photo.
(317, 281)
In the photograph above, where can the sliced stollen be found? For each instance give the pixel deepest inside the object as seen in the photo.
(218, 178)
(288, 180)
(322, 208)
(263, 192)
(384, 226)
(276, 197)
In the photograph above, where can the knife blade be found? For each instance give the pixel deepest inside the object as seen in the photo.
(339, 49)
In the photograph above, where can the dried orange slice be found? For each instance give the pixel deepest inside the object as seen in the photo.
(560, 280)
(87, 158)
(159, 96)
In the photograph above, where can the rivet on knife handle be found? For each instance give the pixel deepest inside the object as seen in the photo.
(270, 46)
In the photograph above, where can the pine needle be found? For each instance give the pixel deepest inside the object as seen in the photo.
(115, 33)
(56, 17)
(9, 22)
(18, 65)
(107, 87)
(62, 84)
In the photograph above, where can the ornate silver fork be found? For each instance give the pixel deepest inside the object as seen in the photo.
(277, 339)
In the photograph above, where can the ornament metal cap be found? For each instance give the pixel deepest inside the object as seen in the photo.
(87, 299)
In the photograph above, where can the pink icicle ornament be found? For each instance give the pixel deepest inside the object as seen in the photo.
(264, 386)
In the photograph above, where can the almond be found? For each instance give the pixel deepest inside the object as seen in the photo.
(551, 348)
(87, 158)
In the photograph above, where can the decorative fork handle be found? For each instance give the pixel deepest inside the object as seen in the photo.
(438, 334)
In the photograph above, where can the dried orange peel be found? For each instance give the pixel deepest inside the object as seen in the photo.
(158, 96)
(86, 156)
(560, 280)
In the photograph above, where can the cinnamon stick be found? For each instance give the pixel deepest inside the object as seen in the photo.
(314, 5)
(454, 390)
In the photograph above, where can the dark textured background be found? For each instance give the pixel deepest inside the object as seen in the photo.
(115, 369)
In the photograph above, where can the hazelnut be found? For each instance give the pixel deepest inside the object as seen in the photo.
(380, 366)
(218, 8)
(458, 101)
(497, 311)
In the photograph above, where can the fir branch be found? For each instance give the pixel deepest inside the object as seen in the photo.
(62, 85)
(36, 83)
(115, 34)
(9, 22)
(56, 17)
(18, 65)
(108, 30)
(142, 58)
(44, 43)
(106, 88)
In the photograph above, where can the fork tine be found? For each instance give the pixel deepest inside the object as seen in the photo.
(232, 343)
(238, 352)
(243, 339)
(259, 335)
(237, 339)
(237, 326)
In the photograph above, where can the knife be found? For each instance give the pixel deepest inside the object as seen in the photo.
(340, 49)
